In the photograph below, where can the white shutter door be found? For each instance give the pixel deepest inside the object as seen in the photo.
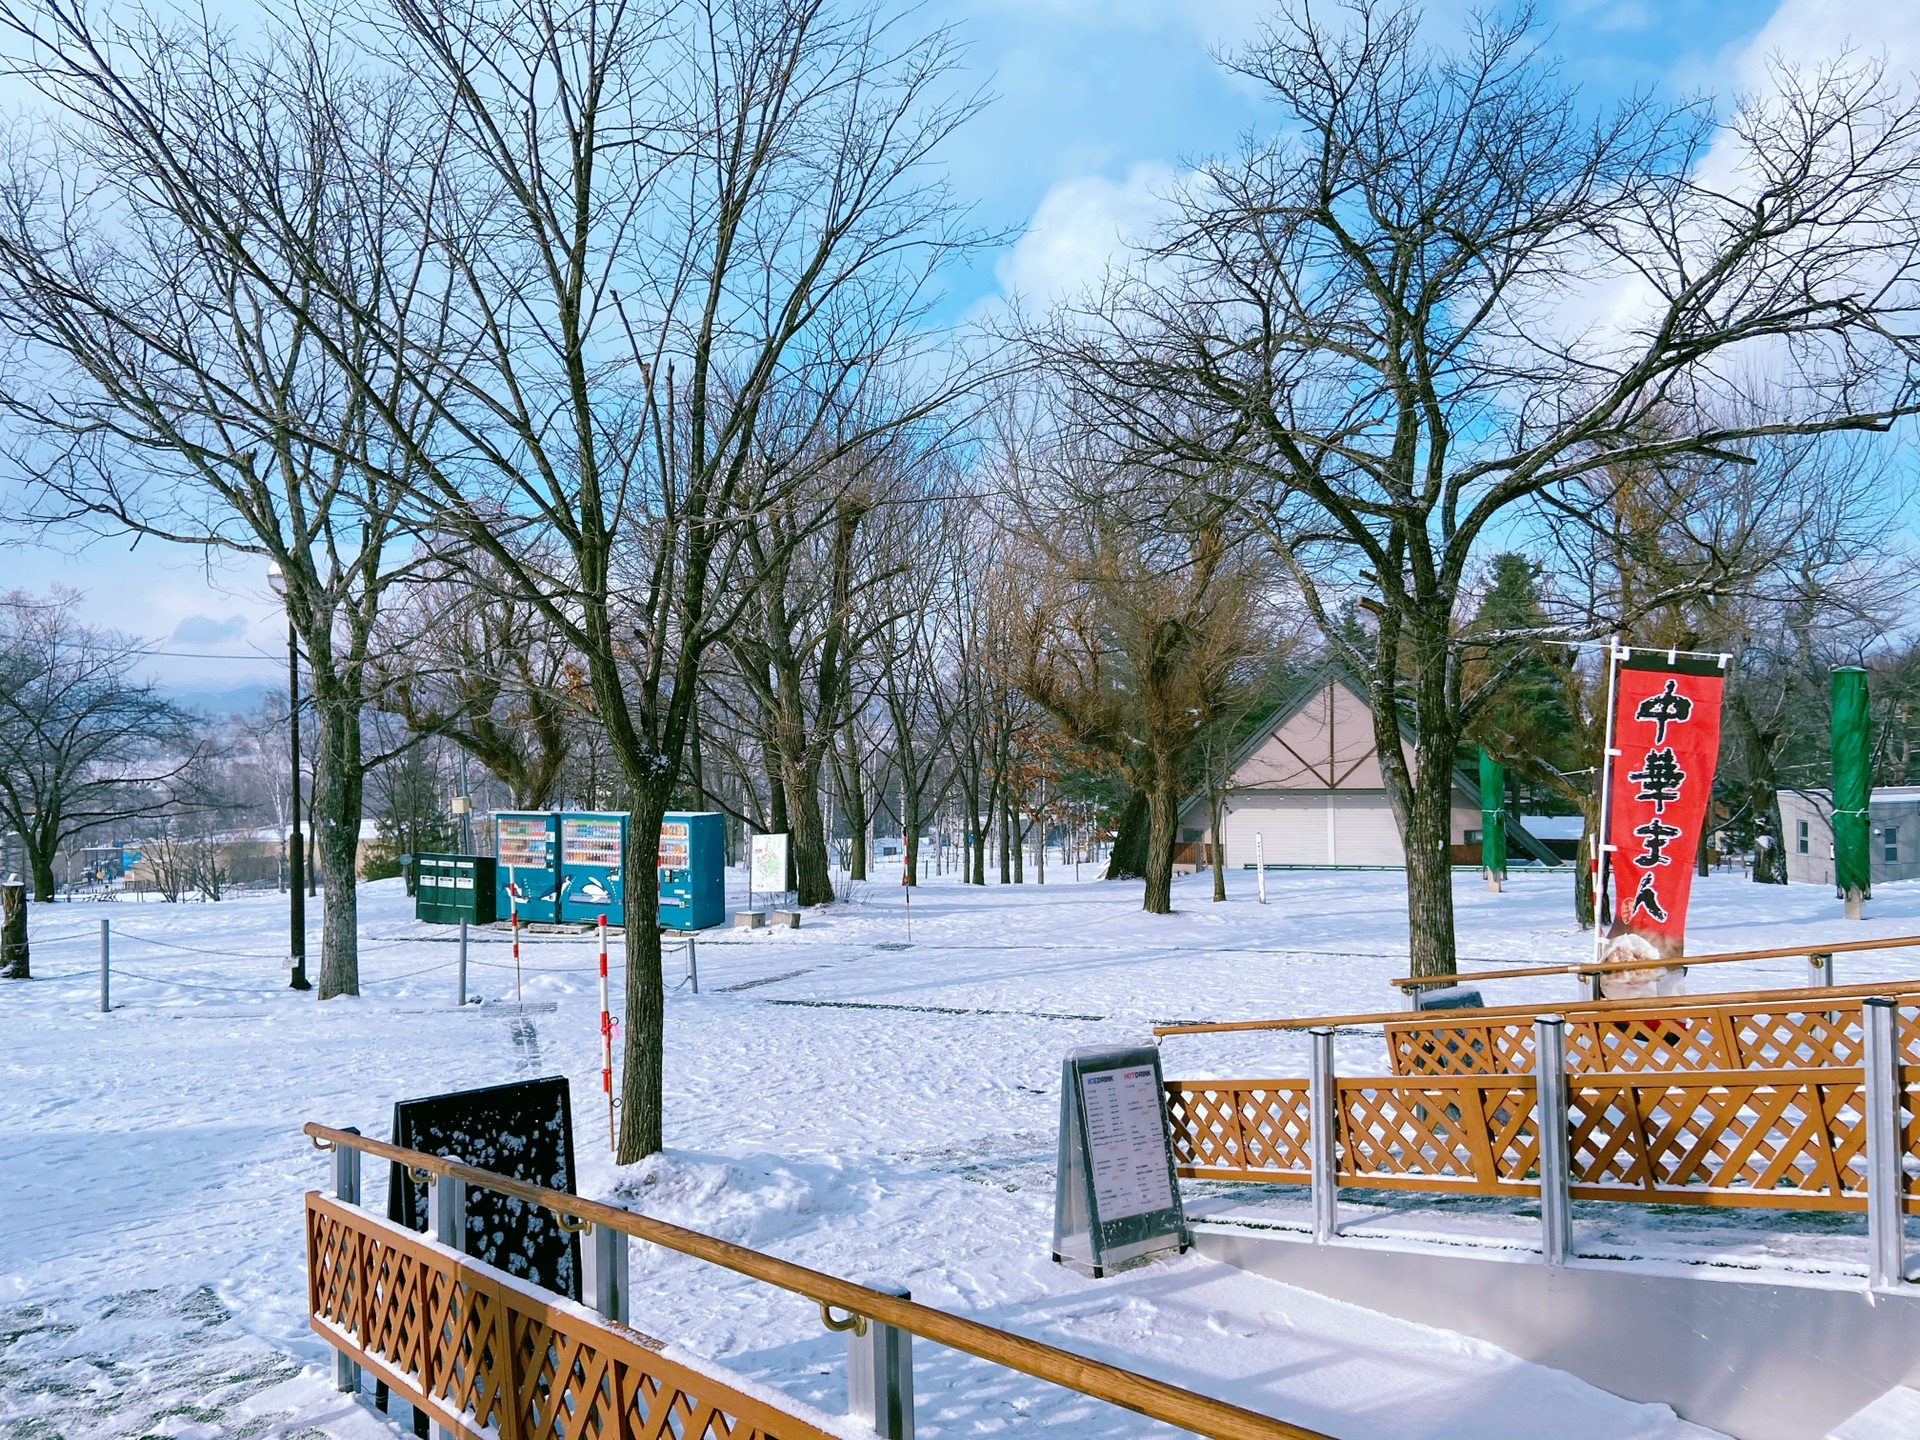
(1364, 830)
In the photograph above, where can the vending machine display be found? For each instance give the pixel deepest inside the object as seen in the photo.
(592, 850)
(692, 870)
(526, 875)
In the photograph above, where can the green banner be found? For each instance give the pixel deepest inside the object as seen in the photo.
(1493, 814)
(1852, 781)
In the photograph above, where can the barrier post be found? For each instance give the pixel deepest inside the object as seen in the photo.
(693, 963)
(447, 1220)
(1886, 1238)
(1260, 864)
(346, 1189)
(606, 1038)
(460, 999)
(105, 1005)
(1550, 1125)
(1819, 969)
(1321, 1134)
(603, 1262)
(880, 1374)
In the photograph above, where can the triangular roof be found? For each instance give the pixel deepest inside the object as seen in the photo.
(1332, 672)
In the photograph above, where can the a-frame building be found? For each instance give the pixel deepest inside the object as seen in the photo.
(1309, 784)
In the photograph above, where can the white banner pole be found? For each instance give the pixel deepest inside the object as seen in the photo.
(1602, 869)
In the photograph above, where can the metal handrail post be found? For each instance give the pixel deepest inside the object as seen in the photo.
(1550, 1125)
(1886, 1217)
(603, 1256)
(346, 1189)
(447, 1221)
(1322, 1131)
(880, 1374)
(1819, 969)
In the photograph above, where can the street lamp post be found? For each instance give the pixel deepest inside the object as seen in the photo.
(296, 870)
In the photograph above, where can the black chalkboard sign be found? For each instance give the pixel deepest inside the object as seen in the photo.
(524, 1130)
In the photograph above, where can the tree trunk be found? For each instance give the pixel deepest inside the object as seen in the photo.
(854, 801)
(1763, 794)
(1127, 856)
(13, 933)
(1006, 837)
(40, 865)
(1427, 830)
(643, 1055)
(910, 832)
(339, 783)
(1583, 874)
(1017, 824)
(812, 876)
(1216, 817)
(1163, 805)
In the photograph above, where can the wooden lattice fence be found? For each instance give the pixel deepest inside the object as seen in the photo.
(1800, 1032)
(1780, 1138)
(489, 1356)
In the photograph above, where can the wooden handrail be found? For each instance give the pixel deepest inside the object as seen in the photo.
(1153, 1398)
(1522, 972)
(1440, 1018)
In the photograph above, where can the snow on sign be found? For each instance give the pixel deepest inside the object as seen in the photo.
(1115, 1199)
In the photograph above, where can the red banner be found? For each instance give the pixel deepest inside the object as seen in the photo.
(1666, 740)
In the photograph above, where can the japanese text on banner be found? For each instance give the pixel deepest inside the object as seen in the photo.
(1666, 729)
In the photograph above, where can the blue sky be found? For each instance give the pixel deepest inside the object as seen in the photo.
(1095, 107)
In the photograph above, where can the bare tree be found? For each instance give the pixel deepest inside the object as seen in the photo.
(465, 657)
(83, 742)
(174, 371)
(684, 251)
(1134, 630)
(1369, 324)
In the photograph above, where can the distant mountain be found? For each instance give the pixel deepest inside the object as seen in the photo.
(221, 702)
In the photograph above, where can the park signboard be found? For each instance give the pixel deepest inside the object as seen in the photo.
(1116, 1199)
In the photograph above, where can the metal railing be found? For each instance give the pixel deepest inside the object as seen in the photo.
(485, 1354)
(1825, 1138)
(1624, 1008)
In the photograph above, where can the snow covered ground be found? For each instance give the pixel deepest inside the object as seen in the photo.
(875, 1112)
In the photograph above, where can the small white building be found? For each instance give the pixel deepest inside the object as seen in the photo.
(1309, 784)
(1893, 834)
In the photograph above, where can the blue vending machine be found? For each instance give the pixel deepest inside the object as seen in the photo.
(593, 848)
(526, 853)
(693, 873)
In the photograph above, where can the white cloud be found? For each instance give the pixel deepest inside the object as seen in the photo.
(1804, 32)
(1080, 227)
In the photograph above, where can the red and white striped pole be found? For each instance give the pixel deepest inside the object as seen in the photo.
(606, 1037)
(513, 912)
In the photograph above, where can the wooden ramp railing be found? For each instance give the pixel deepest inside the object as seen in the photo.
(490, 1357)
(1787, 1139)
(1819, 959)
(484, 1353)
(1798, 1030)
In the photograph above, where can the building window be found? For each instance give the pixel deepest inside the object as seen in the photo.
(1473, 837)
(1800, 837)
(1191, 837)
(1890, 839)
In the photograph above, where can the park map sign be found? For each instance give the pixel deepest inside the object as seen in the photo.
(1115, 1198)
(1666, 740)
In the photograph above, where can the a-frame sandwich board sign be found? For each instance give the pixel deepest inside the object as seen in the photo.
(1116, 1199)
